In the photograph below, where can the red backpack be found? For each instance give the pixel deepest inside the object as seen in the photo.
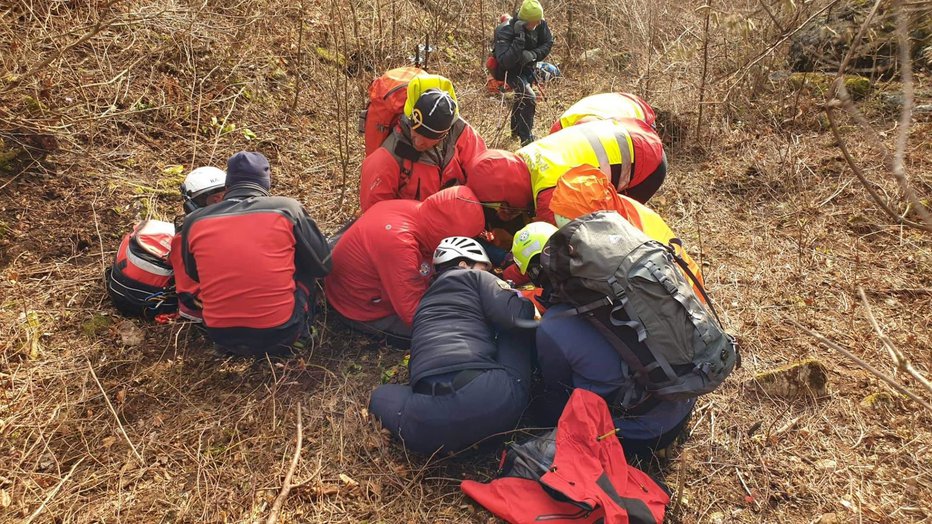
(387, 96)
(141, 281)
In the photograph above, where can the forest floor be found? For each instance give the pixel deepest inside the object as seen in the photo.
(105, 419)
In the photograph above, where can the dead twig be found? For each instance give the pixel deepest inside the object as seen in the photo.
(839, 97)
(41, 66)
(286, 484)
(864, 365)
(741, 73)
(54, 492)
(114, 413)
(902, 363)
(842, 144)
(899, 154)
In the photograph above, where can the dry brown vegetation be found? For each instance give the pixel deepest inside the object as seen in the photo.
(105, 420)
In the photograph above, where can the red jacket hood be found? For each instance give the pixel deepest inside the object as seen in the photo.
(454, 211)
(500, 176)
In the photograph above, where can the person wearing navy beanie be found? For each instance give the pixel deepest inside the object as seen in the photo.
(247, 167)
(255, 258)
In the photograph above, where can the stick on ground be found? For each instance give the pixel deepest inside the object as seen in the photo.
(114, 413)
(286, 484)
(54, 492)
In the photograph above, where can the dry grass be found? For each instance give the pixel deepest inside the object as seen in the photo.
(765, 200)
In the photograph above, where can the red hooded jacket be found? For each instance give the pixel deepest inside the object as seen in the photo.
(382, 264)
(589, 470)
(391, 173)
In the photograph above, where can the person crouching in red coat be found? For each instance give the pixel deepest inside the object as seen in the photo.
(255, 258)
(382, 264)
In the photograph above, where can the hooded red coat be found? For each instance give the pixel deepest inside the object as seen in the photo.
(382, 264)
(589, 471)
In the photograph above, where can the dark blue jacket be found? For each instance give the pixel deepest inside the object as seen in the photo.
(458, 320)
(509, 47)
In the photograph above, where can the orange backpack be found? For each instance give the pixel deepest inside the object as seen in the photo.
(387, 96)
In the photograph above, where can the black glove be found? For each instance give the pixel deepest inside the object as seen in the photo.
(528, 56)
(519, 26)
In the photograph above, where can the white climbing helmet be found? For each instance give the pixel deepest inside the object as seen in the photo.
(451, 248)
(200, 184)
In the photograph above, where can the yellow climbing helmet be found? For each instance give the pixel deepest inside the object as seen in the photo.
(529, 241)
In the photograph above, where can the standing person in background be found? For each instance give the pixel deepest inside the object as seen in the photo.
(519, 45)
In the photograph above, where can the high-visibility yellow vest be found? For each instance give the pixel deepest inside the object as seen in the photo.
(599, 144)
(648, 221)
(424, 82)
(604, 106)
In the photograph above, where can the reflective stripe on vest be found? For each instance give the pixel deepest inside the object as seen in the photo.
(553, 155)
(625, 147)
(603, 106)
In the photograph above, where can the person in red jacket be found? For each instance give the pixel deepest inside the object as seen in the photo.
(424, 154)
(382, 264)
(255, 259)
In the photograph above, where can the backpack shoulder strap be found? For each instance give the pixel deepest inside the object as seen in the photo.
(692, 276)
(682, 263)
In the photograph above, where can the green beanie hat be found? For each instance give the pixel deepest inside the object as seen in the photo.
(531, 11)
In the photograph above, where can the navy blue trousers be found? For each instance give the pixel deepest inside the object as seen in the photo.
(490, 404)
(573, 354)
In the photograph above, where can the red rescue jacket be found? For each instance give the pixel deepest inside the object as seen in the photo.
(246, 254)
(382, 264)
(591, 473)
(186, 288)
(395, 170)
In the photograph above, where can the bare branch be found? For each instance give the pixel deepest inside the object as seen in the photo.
(898, 357)
(114, 413)
(741, 73)
(906, 70)
(98, 27)
(54, 492)
(894, 162)
(864, 365)
(863, 179)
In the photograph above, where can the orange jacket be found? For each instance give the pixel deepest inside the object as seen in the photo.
(583, 190)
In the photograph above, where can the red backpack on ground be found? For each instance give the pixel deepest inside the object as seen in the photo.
(575, 474)
(387, 96)
(141, 281)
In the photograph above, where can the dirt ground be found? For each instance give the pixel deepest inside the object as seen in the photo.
(106, 419)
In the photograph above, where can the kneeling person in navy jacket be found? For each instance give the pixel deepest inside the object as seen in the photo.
(255, 258)
(470, 365)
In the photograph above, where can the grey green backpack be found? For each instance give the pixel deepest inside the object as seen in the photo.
(632, 290)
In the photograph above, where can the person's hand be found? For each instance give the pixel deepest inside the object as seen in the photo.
(519, 26)
(529, 56)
